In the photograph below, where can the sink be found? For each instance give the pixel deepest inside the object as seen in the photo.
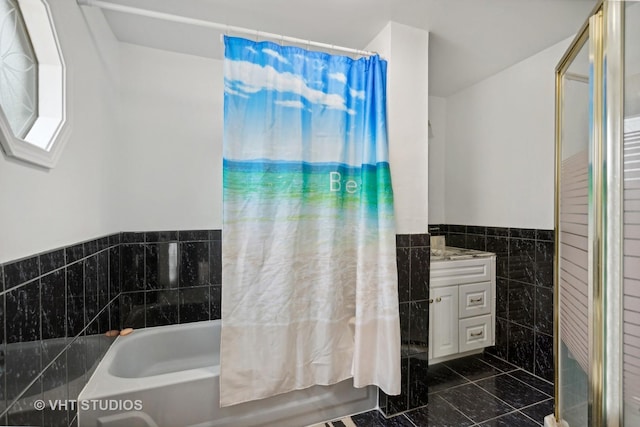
(452, 253)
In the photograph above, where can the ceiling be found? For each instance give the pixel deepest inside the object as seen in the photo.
(470, 40)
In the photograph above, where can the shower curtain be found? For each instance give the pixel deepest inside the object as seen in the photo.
(309, 264)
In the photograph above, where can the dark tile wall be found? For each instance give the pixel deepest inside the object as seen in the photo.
(54, 310)
(170, 277)
(413, 258)
(524, 288)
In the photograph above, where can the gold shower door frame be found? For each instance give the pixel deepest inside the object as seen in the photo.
(603, 33)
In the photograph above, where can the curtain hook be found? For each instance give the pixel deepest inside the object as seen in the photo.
(257, 35)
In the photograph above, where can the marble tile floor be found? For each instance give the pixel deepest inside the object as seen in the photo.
(474, 391)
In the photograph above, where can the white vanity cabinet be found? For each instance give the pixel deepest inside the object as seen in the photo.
(462, 306)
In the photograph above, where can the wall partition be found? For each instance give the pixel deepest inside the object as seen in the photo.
(597, 264)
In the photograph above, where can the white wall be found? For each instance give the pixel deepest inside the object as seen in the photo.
(437, 143)
(499, 163)
(407, 52)
(170, 165)
(40, 209)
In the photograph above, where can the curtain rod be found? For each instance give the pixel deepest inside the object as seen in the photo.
(214, 25)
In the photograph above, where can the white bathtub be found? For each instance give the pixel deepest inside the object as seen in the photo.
(173, 372)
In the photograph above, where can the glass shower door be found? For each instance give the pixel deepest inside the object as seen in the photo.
(631, 218)
(572, 228)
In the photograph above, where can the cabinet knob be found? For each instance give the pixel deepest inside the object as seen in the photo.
(430, 300)
(476, 334)
(438, 299)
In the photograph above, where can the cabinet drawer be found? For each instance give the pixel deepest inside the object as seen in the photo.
(474, 332)
(474, 299)
(475, 270)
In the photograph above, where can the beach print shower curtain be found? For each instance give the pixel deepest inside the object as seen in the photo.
(309, 263)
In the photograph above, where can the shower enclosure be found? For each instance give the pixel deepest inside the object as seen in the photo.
(597, 265)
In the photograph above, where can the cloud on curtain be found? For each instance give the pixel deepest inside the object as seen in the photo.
(310, 281)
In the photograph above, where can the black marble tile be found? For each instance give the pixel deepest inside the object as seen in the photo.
(420, 258)
(161, 266)
(477, 242)
(399, 403)
(522, 258)
(404, 274)
(420, 240)
(194, 304)
(538, 411)
(114, 315)
(54, 383)
(501, 349)
(91, 277)
(500, 247)
(454, 228)
(53, 305)
(103, 279)
(419, 324)
(22, 365)
(403, 240)
(51, 261)
(472, 367)
(19, 272)
(498, 231)
(521, 303)
(544, 264)
(533, 381)
(160, 236)
(22, 412)
(193, 235)
(514, 419)
(438, 413)
(545, 235)
(114, 271)
(216, 302)
(75, 315)
(215, 234)
(405, 337)
(544, 366)
(162, 307)
(544, 310)
(456, 240)
(75, 280)
(74, 253)
(418, 380)
(475, 403)
(496, 362)
(474, 229)
(23, 313)
(522, 233)
(114, 239)
(132, 310)
(132, 265)
(521, 346)
(103, 243)
(512, 391)
(194, 264)
(215, 262)
(440, 377)
(376, 419)
(90, 247)
(502, 297)
(131, 237)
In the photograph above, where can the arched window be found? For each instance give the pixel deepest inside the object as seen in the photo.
(33, 121)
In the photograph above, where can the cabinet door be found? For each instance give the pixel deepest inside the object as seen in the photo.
(444, 321)
(475, 299)
(475, 332)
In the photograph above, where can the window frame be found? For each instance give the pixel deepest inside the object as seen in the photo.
(45, 140)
